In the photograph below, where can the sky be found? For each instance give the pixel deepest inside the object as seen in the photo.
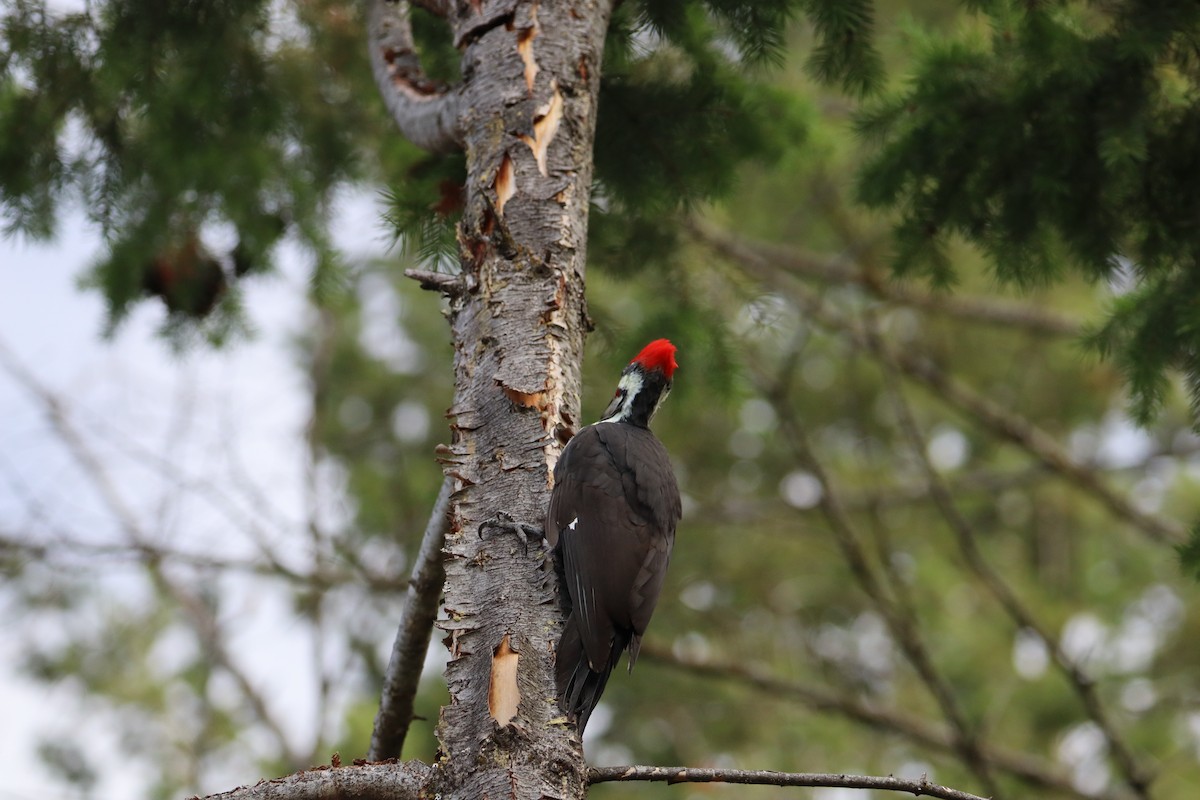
(137, 403)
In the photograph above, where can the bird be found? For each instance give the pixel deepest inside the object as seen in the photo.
(611, 526)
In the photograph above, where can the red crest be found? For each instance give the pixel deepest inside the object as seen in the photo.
(659, 354)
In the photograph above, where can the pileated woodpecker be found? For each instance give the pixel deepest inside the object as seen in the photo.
(611, 523)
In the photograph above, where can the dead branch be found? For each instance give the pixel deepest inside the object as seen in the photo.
(450, 284)
(383, 781)
(199, 615)
(412, 640)
(426, 114)
(1000, 421)
(900, 623)
(770, 778)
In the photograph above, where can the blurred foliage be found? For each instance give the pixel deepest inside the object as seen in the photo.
(1053, 136)
(973, 120)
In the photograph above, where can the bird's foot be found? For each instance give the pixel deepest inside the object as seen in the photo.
(504, 522)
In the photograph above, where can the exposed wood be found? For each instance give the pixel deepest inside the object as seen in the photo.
(504, 696)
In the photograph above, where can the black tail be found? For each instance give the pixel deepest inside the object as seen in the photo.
(579, 687)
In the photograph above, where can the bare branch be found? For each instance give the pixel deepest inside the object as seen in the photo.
(386, 781)
(412, 640)
(900, 622)
(875, 581)
(203, 622)
(1002, 422)
(426, 114)
(1028, 768)
(770, 778)
(319, 368)
(845, 271)
(80, 554)
(1134, 774)
(451, 285)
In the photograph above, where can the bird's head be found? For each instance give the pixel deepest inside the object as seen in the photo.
(644, 384)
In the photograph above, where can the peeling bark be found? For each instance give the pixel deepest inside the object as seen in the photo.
(518, 343)
(525, 115)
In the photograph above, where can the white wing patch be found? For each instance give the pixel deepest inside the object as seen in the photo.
(571, 525)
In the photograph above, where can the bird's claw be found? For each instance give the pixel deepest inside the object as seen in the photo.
(523, 530)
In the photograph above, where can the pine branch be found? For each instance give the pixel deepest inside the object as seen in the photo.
(412, 640)
(439, 8)
(770, 778)
(384, 781)
(426, 114)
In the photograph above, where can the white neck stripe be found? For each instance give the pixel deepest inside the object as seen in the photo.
(631, 384)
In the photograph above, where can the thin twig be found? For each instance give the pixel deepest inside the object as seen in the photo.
(319, 367)
(1005, 424)
(203, 622)
(63, 548)
(769, 778)
(412, 639)
(218, 499)
(900, 623)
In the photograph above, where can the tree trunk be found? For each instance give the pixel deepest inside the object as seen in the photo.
(527, 114)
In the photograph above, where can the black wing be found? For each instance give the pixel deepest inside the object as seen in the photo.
(612, 518)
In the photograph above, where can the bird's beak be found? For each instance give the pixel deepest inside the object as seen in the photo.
(614, 406)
